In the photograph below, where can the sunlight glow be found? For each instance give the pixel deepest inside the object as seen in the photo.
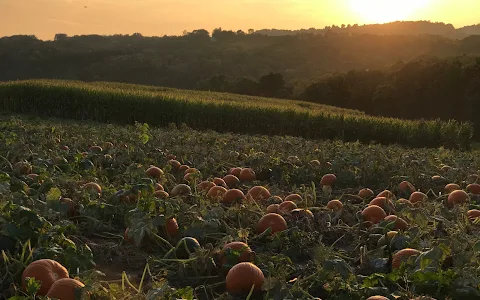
(382, 11)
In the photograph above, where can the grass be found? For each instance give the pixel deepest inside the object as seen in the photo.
(126, 103)
(335, 255)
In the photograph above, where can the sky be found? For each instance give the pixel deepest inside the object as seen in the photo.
(45, 18)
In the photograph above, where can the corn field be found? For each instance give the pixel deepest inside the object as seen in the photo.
(127, 103)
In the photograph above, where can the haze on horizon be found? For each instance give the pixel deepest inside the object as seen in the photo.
(45, 18)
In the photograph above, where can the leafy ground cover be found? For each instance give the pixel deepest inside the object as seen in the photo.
(127, 103)
(346, 249)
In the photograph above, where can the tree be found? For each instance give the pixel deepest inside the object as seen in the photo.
(60, 37)
(272, 84)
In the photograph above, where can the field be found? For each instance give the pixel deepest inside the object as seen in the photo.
(125, 104)
(326, 251)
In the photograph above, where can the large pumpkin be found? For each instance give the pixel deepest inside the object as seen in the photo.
(417, 197)
(232, 181)
(272, 220)
(457, 197)
(328, 179)
(65, 289)
(217, 193)
(400, 224)
(293, 197)
(233, 195)
(242, 277)
(47, 271)
(402, 256)
(335, 205)
(406, 187)
(247, 174)
(366, 193)
(451, 187)
(374, 214)
(473, 188)
(154, 172)
(258, 193)
(287, 206)
(245, 253)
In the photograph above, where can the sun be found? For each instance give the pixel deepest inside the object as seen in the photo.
(383, 11)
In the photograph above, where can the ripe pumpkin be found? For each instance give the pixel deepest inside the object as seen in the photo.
(299, 213)
(232, 181)
(457, 197)
(235, 171)
(366, 193)
(154, 172)
(191, 170)
(45, 270)
(400, 224)
(160, 194)
(183, 168)
(451, 187)
(445, 168)
(273, 208)
(190, 177)
(315, 163)
(246, 254)
(271, 220)
(220, 182)
(374, 214)
(417, 197)
(293, 197)
(95, 149)
(233, 195)
(404, 201)
(247, 174)
(216, 193)
(387, 194)
(402, 256)
(406, 187)
(33, 177)
(328, 179)
(172, 227)
(205, 185)
(277, 199)
(180, 190)
(174, 163)
(159, 187)
(382, 202)
(258, 193)
(108, 145)
(377, 298)
(126, 238)
(71, 207)
(242, 277)
(390, 235)
(65, 289)
(93, 186)
(335, 205)
(287, 206)
(473, 214)
(473, 188)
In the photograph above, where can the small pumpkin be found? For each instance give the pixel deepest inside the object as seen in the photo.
(233, 195)
(216, 193)
(404, 201)
(180, 190)
(258, 193)
(300, 213)
(232, 181)
(191, 170)
(273, 208)
(241, 277)
(93, 186)
(47, 271)
(377, 298)
(246, 254)
(174, 163)
(457, 197)
(154, 172)
(159, 187)
(65, 289)
(294, 198)
(315, 163)
(451, 187)
(473, 188)
(95, 149)
(22, 168)
(286, 206)
(387, 194)
(235, 171)
(402, 256)
(247, 174)
(417, 197)
(374, 214)
(160, 194)
(272, 220)
(71, 207)
(366, 193)
(406, 187)
(328, 179)
(172, 227)
(108, 145)
(183, 168)
(382, 202)
(473, 214)
(220, 182)
(400, 224)
(205, 185)
(335, 204)
(186, 246)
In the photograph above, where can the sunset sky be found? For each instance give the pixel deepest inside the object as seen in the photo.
(44, 18)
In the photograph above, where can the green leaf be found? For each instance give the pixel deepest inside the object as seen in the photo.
(53, 195)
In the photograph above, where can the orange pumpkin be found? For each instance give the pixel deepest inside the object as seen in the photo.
(277, 199)
(457, 197)
(404, 201)
(377, 298)
(154, 172)
(183, 168)
(302, 213)
(205, 185)
(71, 207)
(233, 195)
(366, 193)
(159, 187)
(417, 197)
(242, 277)
(93, 186)
(374, 214)
(45, 270)
(190, 177)
(382, 202)
(191, 170)
(445, 168)
(65, 289)
(315, 163)
(172, 227)
(247, 174)
(287, 206)
(328, 179)
(473, 188)
(95, 149)
(400, 224)
(33, 176)
(335, 205)
(272, 220)
(387, 194)
(219, 181)
(258, 193)
(108, 145)
(216, 193)
(246, 254)
(273, 208)
(293, 197)
(473, 214)
(126, 238)
(402, 256)
(451, 187)
(180, 190)
(235, 171)
(406, 187)
(160, 194)
(232, 181)
(174, 163)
